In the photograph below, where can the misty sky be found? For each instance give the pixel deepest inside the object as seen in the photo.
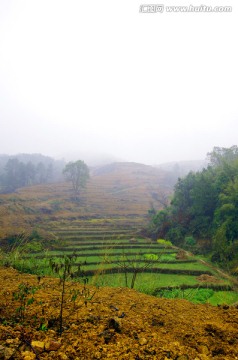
(80, 78)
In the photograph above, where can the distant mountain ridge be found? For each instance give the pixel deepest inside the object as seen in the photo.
(131, 167)
(183, 167)
(172, 170)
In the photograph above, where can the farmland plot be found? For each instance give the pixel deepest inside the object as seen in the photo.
(111, 253)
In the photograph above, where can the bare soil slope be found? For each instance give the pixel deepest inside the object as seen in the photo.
(118, 323)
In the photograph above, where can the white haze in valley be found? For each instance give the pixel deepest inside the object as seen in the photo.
(100, 80)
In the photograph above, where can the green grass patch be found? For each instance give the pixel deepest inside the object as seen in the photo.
(145, 282)
(168, 256)
(201, 296)
(185, 266)
(101, 252)
(197, 296)
(224, 297)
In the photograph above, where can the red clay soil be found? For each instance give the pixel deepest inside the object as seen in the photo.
(118, 323)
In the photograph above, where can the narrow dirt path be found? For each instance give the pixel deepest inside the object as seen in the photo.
(221, 272)
(215, 268)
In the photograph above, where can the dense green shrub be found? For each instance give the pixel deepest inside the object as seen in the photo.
(164, 242)
(190, 241)
(151, 257)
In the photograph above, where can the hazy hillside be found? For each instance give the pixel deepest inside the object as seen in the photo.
(129, 167)
(118, 190)
(137, 180)
(182, 168)
(23, 170)
(113, 190)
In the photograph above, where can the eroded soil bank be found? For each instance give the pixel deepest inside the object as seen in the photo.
(117, 323)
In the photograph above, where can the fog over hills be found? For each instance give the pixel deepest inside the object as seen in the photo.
(124, 167)
(108, 162)
(183, 167)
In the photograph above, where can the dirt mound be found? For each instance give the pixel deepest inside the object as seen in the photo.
(181, 255)
(208, 279)
(117, 323)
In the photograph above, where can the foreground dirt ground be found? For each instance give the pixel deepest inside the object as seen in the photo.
(117, 323)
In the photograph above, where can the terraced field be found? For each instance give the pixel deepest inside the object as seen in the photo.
(110, 252)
